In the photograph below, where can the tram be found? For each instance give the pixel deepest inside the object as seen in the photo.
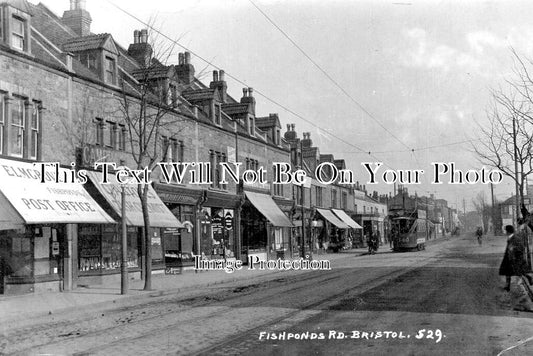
(409, 232)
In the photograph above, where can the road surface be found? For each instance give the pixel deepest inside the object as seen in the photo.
(446, 300)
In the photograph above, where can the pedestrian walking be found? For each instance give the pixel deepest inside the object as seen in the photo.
(514, 262)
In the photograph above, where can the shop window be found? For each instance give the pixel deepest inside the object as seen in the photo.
(16, 253)
(16, 139)
(110, 70)
(35, 129)
(18, 33)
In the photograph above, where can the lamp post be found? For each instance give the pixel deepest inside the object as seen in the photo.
(124, 237)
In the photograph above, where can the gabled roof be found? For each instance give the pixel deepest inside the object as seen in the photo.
(91, 42)
(22, 5)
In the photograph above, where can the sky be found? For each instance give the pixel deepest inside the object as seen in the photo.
(414, 76)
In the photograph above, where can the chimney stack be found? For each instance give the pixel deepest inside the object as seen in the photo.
(77, 18)
(248, 98)
(220, 84)
(140, 49)
(185, 69)
(215, 76)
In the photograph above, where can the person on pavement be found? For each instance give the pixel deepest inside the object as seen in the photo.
(514, 262)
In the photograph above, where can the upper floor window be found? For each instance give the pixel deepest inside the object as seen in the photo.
(18, 118)
(88, 59)
(344, 201)
(277, 138)
(333, 198)
(110, 134)
(99, 131)
(18, 33)
(121, 132)
(278, 189)
(2, 120)
(110, 70)
(318, 196)
(215, 158)
(35, 126)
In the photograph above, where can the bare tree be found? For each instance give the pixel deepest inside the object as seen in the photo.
(506, 139)
(148, 107)
(483, 209)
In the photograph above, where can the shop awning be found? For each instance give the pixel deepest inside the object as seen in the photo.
(160, 216)
(329, 216)
(25, 200)
(269, 209)
(346, 218)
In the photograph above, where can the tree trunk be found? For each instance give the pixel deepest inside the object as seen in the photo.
(143, 194)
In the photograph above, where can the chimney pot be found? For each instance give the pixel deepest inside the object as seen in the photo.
(136, 36)
(250, 92)
(144, 36)
(288, 127)
(180, 58)
(221, 75)
(292, 127)
(187, 58)
(244, 92)
(215, 76)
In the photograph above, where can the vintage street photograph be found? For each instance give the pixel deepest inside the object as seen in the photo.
(266, 177)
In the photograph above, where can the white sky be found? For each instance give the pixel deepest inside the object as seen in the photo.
(422, 68)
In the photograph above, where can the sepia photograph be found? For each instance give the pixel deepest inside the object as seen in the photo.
(266, 177)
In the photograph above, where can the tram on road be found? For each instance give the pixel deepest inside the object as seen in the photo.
(409, 232)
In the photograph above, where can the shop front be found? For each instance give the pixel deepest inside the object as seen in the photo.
(352, 236)
(180, 244)
(38, 227)
(264, 226)
(219, 238)
(99, 246)
(333, 234)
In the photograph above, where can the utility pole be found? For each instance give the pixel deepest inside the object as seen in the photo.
(493, 210)
(302, 191)
(464, 212)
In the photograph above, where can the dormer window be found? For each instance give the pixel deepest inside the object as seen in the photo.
(18, 33)
(88, 59)
(110, 70)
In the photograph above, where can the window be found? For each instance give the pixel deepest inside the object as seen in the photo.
(277, 139)
(2, 119)
(110, 134)
(16, 139)
(18, 33)
(318, 196)
(35, 127)
(88, 59)
(109, 70)
(99, 131)
(215, 158)
(278, 189)
(333, 198)
(121, 134)
(344, 200)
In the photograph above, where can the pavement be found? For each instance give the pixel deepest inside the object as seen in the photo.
(35, 305)
(39, 304)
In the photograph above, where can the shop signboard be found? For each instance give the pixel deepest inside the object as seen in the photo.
(49, 201)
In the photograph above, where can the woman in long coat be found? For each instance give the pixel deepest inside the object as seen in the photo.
(514, 261)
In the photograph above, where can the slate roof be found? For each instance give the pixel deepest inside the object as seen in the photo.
(237, 108)
(267, 122)
(85, 43)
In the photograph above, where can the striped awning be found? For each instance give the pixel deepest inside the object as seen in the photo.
(347, 219)
(329, 216)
